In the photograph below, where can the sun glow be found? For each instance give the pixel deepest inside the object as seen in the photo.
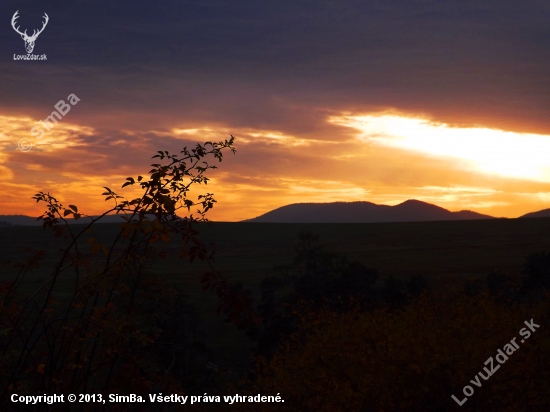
(490, 151)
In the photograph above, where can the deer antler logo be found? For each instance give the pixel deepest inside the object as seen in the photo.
(29, 40)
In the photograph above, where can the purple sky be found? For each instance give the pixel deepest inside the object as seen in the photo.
(143, 70)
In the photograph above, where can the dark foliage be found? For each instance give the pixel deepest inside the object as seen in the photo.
(117, 328)
(536, 273)
(318, 279)
(416, 285)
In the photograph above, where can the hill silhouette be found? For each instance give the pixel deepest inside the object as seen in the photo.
(23, 220)
(363, 212)
(540, 213)
(336, 212)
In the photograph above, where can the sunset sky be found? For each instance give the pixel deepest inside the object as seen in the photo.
(446, 102)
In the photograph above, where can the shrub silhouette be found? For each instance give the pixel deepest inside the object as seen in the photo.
(416, 285)
(529, 285)
(316, 276)
(536, 272)
(318, 279)
(393, 291)
(111, 334)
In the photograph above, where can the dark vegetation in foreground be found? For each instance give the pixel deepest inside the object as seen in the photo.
(329, 330)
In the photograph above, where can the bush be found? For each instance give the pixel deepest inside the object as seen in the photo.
(411, 360)
(316, 278)
(536, 272)
(115, 332)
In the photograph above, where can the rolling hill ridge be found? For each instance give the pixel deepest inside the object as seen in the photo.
(363, 212)
(336, 212)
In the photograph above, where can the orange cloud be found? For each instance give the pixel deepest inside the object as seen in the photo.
(492, 151)
(386, 159)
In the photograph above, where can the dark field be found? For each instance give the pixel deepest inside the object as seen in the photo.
(247, 252)
(443, 252)
(436, 250)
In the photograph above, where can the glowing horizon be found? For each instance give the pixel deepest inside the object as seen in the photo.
(383, 103)
(491, 151)
(389, 159)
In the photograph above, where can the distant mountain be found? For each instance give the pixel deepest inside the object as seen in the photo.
(19, 220)
(540, 213)
(363, 212)
(22, 220)
(337, 212)
(6, 224)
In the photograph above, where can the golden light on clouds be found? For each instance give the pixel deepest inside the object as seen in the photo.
(325, 190)
(389, 158)
(245, 135)
(489, 151)
(60, 136)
